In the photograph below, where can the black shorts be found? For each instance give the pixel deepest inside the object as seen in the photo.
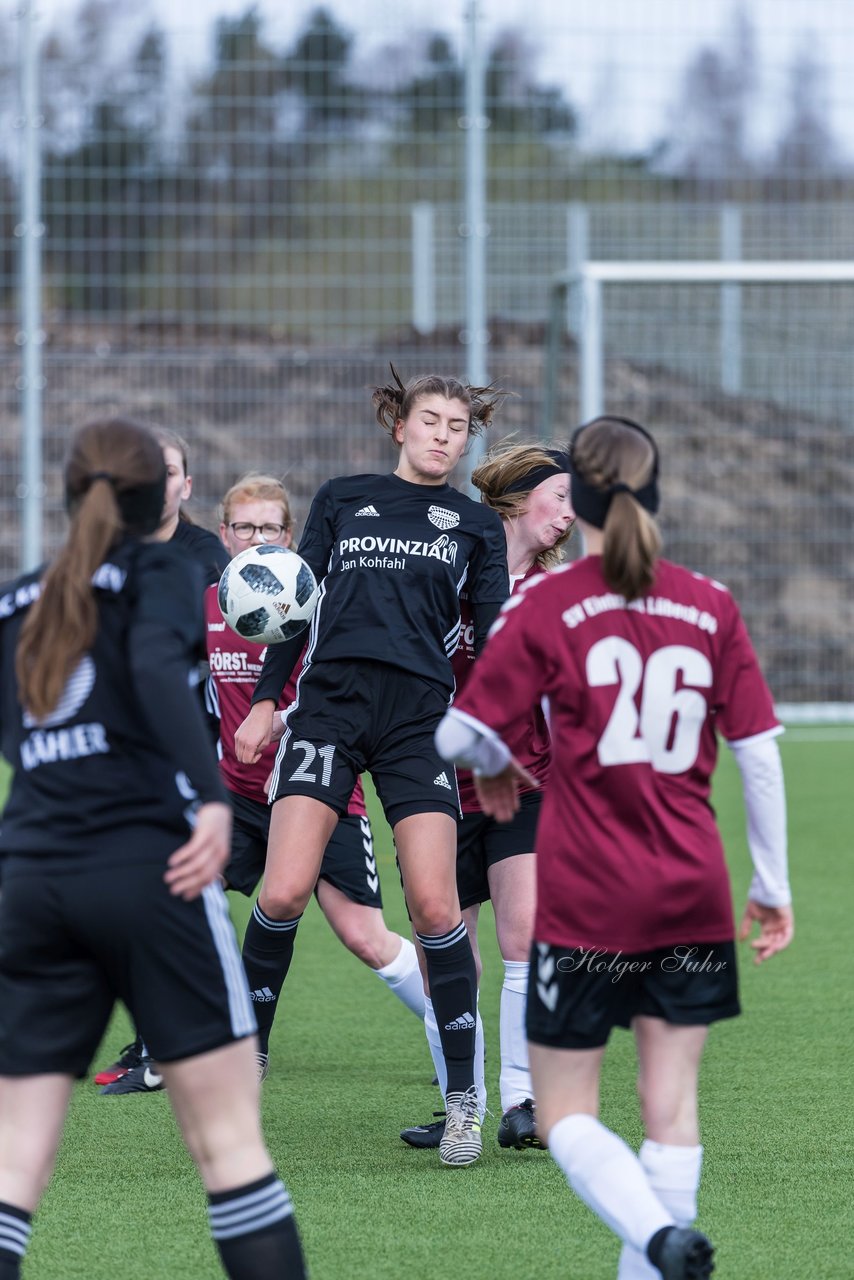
(349, 862)
(577, 995)
(481, 842)
(73, 943)
(353, 716)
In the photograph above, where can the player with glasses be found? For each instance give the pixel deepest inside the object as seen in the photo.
(244, 531)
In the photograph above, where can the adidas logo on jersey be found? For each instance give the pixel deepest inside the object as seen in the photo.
(262, 996)
(442, 781)
(465, 1022)
(369, 510)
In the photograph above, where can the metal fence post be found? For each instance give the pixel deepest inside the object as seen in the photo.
(577, 253)
(591, 391)
(423, 268)
(30, 336)
(730, 242)
(476, 229)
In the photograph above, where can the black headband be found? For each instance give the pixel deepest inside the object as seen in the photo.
(140, 507)
(543, 471)
(592, 505)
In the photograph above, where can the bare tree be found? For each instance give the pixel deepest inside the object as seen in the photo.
(709, 137)
(807, 148)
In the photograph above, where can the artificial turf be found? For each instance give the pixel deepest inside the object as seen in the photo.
(350, 1067)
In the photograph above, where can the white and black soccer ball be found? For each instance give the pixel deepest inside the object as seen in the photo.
(267, 594)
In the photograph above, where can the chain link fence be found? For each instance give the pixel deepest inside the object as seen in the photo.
(247, 218)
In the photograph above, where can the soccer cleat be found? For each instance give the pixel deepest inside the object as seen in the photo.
(263, 1061)
(140, 1079)
(425, 1135)
(680, 1253)
(461, 1143)
(129, 1057)
(518, 1128)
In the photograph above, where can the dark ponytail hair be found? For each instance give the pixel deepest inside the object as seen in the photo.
(114, 484)
(617, 459)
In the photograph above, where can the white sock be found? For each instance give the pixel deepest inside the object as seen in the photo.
(431, 1029)
(480, 1061)
(634, 1265)
(403, 978)
(609, 1178)
(674, 1175)
(515, 1079)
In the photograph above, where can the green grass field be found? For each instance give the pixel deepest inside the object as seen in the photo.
(350, 1067)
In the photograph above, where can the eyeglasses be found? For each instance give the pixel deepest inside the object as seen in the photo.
(244, 531)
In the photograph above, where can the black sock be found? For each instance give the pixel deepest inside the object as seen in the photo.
(453, 990)
(268, 948)
(15, 1232)
(254, 1229)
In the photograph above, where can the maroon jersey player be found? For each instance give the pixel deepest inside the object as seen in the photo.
(642, 663)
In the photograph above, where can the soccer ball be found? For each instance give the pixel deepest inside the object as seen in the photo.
(267, 594)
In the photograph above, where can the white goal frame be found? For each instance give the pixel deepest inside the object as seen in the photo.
(588, 279)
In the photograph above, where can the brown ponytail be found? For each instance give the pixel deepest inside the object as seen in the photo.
(613, 452)
(114, 482)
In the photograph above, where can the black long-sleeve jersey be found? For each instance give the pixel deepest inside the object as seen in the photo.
(204, 547)
(393, 557)
(125, 751)
(206, 550)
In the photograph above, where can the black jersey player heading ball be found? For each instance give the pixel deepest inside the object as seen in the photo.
(392, 553)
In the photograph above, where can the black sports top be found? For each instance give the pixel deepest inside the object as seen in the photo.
(393, 557)
(125, 749)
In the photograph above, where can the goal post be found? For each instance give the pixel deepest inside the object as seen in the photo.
(587, 281)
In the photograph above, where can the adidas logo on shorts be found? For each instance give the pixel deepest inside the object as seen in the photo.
(442, 781)
(369, 510)
(263, 996)
(464, 1023)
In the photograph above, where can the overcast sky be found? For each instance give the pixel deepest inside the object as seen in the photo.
(619, 61)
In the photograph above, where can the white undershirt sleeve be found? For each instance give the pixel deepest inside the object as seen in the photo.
(460, 739)
(761, 769)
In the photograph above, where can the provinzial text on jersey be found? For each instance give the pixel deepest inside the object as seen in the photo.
(443, 548)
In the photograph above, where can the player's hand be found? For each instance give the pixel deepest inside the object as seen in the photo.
(203, 858)
(776, 929)
(255, 733)
(277, 731)
(498, 796)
